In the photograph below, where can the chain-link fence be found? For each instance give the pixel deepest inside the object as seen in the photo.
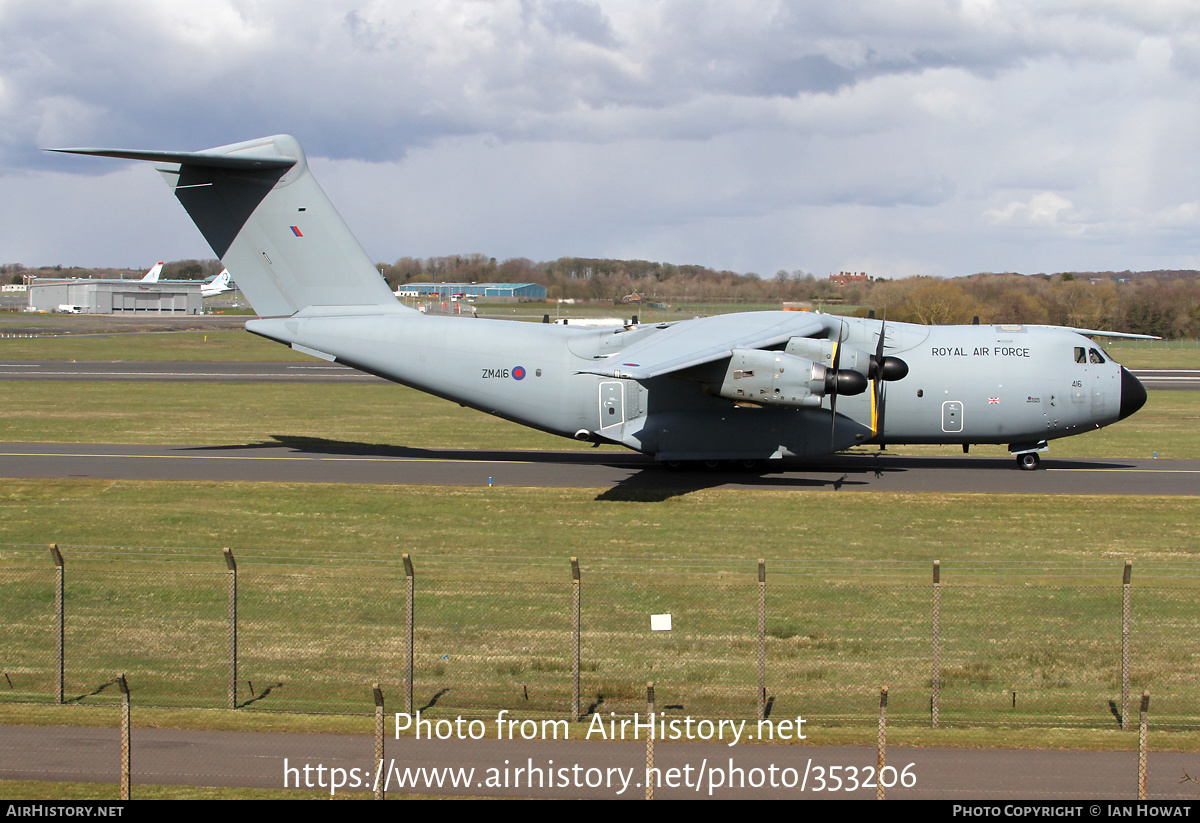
(1069, 645)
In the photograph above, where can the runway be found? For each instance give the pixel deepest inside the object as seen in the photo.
(315, 371)
(619, 475)
(591, 769)
(1160, 379)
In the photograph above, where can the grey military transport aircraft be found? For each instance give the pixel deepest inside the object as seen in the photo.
(746, 388)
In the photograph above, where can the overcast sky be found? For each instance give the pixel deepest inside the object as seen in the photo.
(892, 137)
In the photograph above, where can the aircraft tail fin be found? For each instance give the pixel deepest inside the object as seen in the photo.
(262, 211)
(152, 275)
(215, 285)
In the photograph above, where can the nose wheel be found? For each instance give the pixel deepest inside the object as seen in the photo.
(1028, 461)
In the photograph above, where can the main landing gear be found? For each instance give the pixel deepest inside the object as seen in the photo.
(1027, 454)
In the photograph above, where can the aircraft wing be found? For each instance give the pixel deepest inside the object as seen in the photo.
(1101, 333)
(703, 340)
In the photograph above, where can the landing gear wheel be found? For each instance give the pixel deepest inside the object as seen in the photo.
(1028, 461)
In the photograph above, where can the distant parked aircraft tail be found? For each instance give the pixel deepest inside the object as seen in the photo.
(152, 275)
(259, 207)
(216, 285)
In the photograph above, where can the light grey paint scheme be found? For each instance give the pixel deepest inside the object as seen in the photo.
(746, 386)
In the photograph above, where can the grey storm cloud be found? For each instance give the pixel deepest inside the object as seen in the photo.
(902, 135)
(369, 80)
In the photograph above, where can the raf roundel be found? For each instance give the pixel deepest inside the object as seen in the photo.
(518, 372)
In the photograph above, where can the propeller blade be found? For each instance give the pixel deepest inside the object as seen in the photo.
(878, 386)
(837, 358)
(879, 345)
(885, 368)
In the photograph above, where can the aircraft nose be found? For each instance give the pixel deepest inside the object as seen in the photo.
(1133, 394)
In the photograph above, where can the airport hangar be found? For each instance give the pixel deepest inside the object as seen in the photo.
(498, 291)
(173, 297)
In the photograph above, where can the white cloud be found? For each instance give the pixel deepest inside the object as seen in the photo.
(1042, 209)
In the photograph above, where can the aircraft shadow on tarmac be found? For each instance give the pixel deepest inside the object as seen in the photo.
(852, 470)
(321, 445)
(652, 481)
(873, 462)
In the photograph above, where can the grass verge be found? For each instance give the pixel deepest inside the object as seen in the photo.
(15, 790)
(191, 345)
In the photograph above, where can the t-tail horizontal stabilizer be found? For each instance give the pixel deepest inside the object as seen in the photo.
(259, 207)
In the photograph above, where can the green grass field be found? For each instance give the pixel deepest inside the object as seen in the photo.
(1031, 598)
(185, 345)
(287, 522)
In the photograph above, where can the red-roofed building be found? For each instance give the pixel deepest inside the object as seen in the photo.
(845, 278)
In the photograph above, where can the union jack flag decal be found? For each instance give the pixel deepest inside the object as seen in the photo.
(993, 400)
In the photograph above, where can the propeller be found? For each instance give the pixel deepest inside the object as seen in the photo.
(831, 386)
(852, 381)
(840, 382)
(877, 365)
(882, 369)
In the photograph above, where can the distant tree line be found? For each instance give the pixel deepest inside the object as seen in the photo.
(1163, 303)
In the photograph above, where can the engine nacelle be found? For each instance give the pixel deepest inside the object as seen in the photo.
(773, 378)
(821, 351)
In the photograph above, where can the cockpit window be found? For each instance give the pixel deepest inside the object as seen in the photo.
(1095, 356)
(1080, 355)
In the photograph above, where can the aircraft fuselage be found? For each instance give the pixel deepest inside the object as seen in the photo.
(1016, 385)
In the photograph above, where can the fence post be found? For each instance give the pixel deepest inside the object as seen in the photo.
(881, 745)
(762, 638)
(650, 740)
(380, 782)
(125, 748)
(410, 577)
(936, 679)
(575, 713)
(1145, 713)
(1126, 585)
(231, 565)
(59, 609)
